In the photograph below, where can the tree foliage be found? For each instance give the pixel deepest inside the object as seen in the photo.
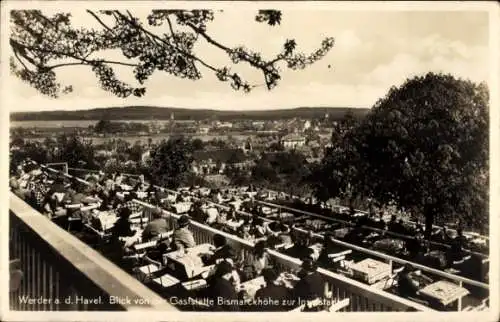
(75, 152)
(285, 171)
(171, 162)
(341, 171)
(423, 146)
(41, 44)
(106, 126)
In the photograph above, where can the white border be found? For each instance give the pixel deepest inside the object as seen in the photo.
(492, 315)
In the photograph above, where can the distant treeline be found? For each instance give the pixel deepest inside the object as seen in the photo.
(164, 113)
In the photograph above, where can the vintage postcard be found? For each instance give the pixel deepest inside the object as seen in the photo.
(260, 160)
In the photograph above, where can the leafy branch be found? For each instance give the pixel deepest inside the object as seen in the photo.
(39, 43)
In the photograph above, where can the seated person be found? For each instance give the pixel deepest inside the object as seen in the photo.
(58, 186)
(415, 246)
(122, 226)
(253, 265)
(129, 203)
(258, 229)
(157, 226)
(179, 198)
(356, 235)
(284, 234)
(118, 178)
(183, 237)
(273, 292)
(197, 213)
(300, 248)
(274, 228)
(407, 286)
(244, 231)
(16, 188)
(410, 281)
(74, 194)
(396, 226)
(211, 215)
(222, 251)
(328, 246)
(377, 222)
(311, 285)
(401, 227)
(435, 259)
(158, 196)
(221, 219)
(441, 236)
(419, 229)
(456, 251)
(234, 217)
(222, 286)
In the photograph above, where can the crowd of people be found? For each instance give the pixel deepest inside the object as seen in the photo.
(56, 196)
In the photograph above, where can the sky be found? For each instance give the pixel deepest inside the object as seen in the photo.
(373, 51)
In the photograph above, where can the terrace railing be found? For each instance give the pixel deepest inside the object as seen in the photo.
(386, 232)
(61, 273)
(362, 297)
(357, 291)
(459, 280)
(63, 165)
(81, 170)
(412, 223)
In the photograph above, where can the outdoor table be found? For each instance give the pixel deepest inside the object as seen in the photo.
(107, 219)
(126, 187)
(189, 263)
(371, 270)
(234, 224)
(131, 240)
(182, 207)
(445, 292)
(341, 233)
(252, 286)
(121, 195)
(436, 258)
(389, 245)
(316, 249)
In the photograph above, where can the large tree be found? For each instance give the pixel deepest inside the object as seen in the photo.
(341, 171)
(77, 153)
(165, 42)
(425, 147)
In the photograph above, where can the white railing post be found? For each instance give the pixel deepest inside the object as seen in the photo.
(460, 298)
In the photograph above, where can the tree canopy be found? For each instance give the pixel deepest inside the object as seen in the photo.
(423, 146)
(171, 162)
(165, 42)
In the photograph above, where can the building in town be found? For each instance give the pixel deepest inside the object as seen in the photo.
(293, 141)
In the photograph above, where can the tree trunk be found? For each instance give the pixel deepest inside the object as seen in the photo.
(429, 220)
(351, 205)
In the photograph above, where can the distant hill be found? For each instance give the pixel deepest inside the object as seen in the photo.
(164, 113)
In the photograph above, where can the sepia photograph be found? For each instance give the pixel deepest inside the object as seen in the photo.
(189, 159)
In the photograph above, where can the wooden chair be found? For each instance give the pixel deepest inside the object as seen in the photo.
(165, 280)
(483, 306)
(195, 285)
(145, 273)
(389, 281)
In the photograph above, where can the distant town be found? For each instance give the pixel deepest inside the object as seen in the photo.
(219, 144)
